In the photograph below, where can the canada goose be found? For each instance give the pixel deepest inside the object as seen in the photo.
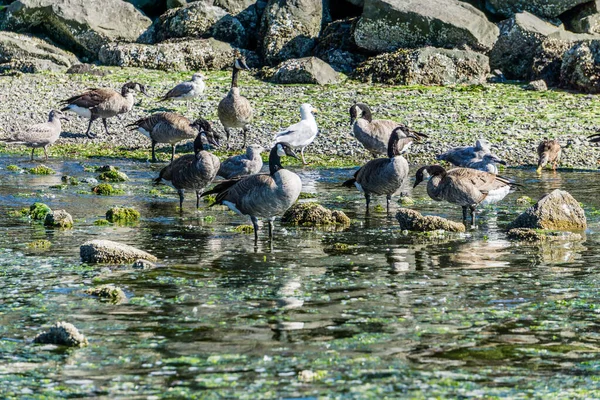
(103, 103)
(487, 163)
(385, 176)
(464, 186)
(262, 195)
(168, 127)
(246, 164)
(193, 171)
(40, 135)
(187, 90)
(549, 151)
(373, 134)
(302, 133)
(235, 110)
(464, 155)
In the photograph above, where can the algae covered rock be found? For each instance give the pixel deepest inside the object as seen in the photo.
(105, 189)
(38, 211)
(111, 293)
(63, 334)
(107, 251)
(313, 214)
(557, 210)
(122, 215)
(41, 170)
(59, 219)
(311, 70)
(113, 175)
(541, 235)
(412, 220)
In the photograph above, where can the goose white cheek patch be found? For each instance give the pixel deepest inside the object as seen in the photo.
(280, 151)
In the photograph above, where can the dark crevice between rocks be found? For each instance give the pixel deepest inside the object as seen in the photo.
(342, 9)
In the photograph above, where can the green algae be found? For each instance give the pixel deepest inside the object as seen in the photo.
(38, 211)
(122, 215)
(13, 168)
(106, 189)
(101, 222)
(111, 293)
(113, 176)
(41, 244)
(41, 170)
(245, 229)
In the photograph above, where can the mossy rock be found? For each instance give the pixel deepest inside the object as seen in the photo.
(38, 211)
(314, 214)
(59, 219)
(41, 244)
(406, 201)
(105, 189)
(122, 215)
(41, 170)
(70, 180)
(412, 220)
(62, 333)
(111, 293)
(541, 235)
(23, 212)
(106, 168)
(339, 248)
(101, 222)
(246, 229)
(113, 176)
(13, 168)
(305, 195)
(525, 201)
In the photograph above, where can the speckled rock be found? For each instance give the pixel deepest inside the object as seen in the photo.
(538, 86)
(176, 55)
(110, 293)
(289, 29)
(107, 251)
(547, 60)
(541, 8)
(557, 210)
(30, 54)
(540, 235)
(313, 214)
(427, 66)
(84, 26)
(580, 69)
(311, 70)
(63, 334)
(59, 219)
(387, 25)
(337, 47)
(412, 220)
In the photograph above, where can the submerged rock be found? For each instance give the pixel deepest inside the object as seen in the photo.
(107, 251)
(112, 293)
(59, 219)
(412, 220)
(557, 210)
(38, 211)
(63, 334)
(426, 66)
(311, 70)
(540, 235)
(122, 215)
(142, 264)
(313, 214)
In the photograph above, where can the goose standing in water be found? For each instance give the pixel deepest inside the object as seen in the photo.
(187, 90)
(373, 134)
(193, 171)
(264, 195)
(40, 135)
(103, 103)
(171, 128)
(301, 134)
(549, 151)
(464, 155)
(385, 176)
(246, 164)
(465, 187)
(235, 110)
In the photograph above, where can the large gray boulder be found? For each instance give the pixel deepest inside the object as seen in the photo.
(426, 66)
(557, 210)
(289, 29)
(584, 18)
(580, 69)
(107, 251)
(311, 70)
(541, 8)
(337, 47)
(387, 25)
(17, 49)
(184, 55)
(547, 60)
(83, 26)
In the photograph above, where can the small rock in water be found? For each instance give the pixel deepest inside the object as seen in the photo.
(557, 210)
(142, 264)
(122, 215)
(59, 219)
(414, 221)
(38, 211)
(91, 181)
(313, 214)
(107, 251)
(112, 293)
(62, 333)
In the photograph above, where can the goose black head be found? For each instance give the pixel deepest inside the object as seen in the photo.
(400, 141)
(240, 63)
(58, 114)
(204, 127)
(131, 87)
(430, 170)
(278, 151)
(360, 110)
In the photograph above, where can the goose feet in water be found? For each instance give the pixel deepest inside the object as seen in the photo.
(472, 209)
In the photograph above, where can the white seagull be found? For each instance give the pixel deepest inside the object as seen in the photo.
(301, 134)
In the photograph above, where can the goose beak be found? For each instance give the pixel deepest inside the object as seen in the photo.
(290, 152)
(500, 161)
(213, 141)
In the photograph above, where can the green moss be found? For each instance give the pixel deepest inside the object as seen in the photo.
(58, 187)
(41, 170)
(41, 244)
(379, 208)
(209, 219)
(38, 211)
(113, 176)
(305, 195)
(105, 189)
(247, 229)
(23, 212)
(13, 168)
(210, 199)
(122, 215)
(70, 180)
(101, 222)
(111, 293)
(406, 201)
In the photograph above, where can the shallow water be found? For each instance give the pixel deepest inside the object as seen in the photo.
(399, 315)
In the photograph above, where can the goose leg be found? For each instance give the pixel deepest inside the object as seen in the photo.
(45, 152)
(198, 194)
(464, 208)
(271, 228)
(88, 133)
(105, 126)
(255, 225)
(388, 198)
(368, 200)
(154, 151)
(180, 193)
(245, 132)
(473, 216)
(173, 154)
(32, 150)
(227, 133)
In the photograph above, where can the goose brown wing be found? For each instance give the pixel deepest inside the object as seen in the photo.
(91, 98)
(483, 181)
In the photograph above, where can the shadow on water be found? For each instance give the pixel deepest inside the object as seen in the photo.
(463, 315)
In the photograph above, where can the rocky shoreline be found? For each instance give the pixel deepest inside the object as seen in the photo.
(512, 118)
